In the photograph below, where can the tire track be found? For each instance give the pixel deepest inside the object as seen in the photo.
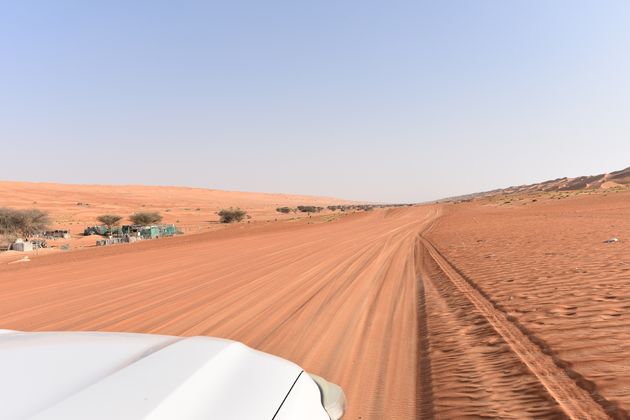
(424, 374)
(575, 401)
(340, 299)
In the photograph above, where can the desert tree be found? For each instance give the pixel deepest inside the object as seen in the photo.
(109, 220)
(7, 227)
(145, 218)
(31, 221)
(7, 221)
(231, 215)
(24, 223)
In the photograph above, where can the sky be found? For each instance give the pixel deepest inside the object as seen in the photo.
(397, 101)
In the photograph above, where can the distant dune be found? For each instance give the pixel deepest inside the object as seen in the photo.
(608, 180)
(75, 206)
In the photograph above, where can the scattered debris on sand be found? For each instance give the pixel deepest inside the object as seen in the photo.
(21, 260)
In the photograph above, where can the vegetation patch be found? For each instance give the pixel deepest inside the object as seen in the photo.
(231, 215)
(145, 218)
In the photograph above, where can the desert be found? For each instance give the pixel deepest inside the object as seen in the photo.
(507, 306)
(327, 210)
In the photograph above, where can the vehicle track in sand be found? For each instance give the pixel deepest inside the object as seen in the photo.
(365, 302)
(337, 298)
(453, 296)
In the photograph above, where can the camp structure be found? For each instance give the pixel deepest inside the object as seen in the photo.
(57, 234)
(149, 232)
(102, 230)
(133, 233)
(21, 245)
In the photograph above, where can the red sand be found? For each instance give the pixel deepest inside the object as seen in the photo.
(338, 297)
(545, 264)
(74, 207)
(449, 311)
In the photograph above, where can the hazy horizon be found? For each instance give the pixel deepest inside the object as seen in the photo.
(409, 102)
(125, 184)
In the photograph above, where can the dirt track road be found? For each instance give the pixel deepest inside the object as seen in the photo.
(363, 301)
(339, 298)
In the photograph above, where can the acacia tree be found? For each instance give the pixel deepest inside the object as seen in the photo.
(145, 218)
(24, 223)
(7, 227)
(109, 220)
(6, 221)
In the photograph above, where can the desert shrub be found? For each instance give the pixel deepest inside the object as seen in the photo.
(7, 228)
(309, 209)
(145, 218)
(5, 242)
(284, 210)
(32, 221)
(231, 215)
(7, 221)
(24, 223)
(363, 207)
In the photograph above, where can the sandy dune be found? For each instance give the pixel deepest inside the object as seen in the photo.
(447, 311)
(591, 183)
(74, 207)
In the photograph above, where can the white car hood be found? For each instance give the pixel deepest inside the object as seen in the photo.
(96, 376)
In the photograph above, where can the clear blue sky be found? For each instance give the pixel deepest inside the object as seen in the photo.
(385, 101)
